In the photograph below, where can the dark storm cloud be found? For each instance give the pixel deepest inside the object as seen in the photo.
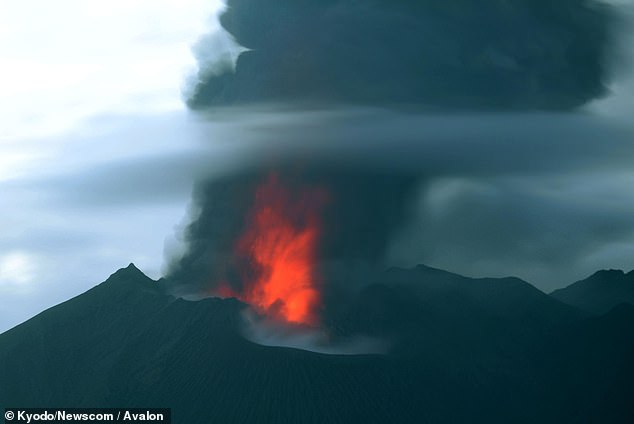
(522, 54)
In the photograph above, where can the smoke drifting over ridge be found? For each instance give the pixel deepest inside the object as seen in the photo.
(523, 54)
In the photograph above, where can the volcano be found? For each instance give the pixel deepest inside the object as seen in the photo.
(461, 350)
(329, 140)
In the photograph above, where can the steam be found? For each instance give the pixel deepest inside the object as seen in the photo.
(216, 53)
(266, 332)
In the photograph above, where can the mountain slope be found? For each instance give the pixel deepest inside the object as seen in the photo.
(86, 333)
(461, 350)
(600, 292)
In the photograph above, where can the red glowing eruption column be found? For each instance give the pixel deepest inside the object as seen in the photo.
(280, 243)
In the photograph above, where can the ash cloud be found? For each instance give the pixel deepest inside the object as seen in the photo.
(522, 54)
(385, 170)
(364, 208)
(541, 196)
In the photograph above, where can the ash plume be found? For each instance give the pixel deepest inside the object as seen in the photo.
(480, 194)
(364, 209)
(393, 175)
(521, 54)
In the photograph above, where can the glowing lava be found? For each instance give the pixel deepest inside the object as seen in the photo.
(280, 245)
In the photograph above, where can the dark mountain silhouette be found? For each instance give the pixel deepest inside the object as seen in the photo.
(461, 350)
(63, 356)
(600, 292)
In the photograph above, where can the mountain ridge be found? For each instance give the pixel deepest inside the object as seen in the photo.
(461, 350)
(600, 292)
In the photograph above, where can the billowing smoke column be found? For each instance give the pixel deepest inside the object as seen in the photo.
(290, 240)
(519, 54)
(297, 240)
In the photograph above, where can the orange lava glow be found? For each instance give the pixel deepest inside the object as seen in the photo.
(280, 244)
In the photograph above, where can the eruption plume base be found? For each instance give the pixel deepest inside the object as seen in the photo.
(277, 252)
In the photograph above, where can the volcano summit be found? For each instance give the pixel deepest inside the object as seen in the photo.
(462, 350)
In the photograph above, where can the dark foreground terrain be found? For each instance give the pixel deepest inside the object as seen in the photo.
(461, 350)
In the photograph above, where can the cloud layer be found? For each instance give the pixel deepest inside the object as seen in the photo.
(540, 196)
